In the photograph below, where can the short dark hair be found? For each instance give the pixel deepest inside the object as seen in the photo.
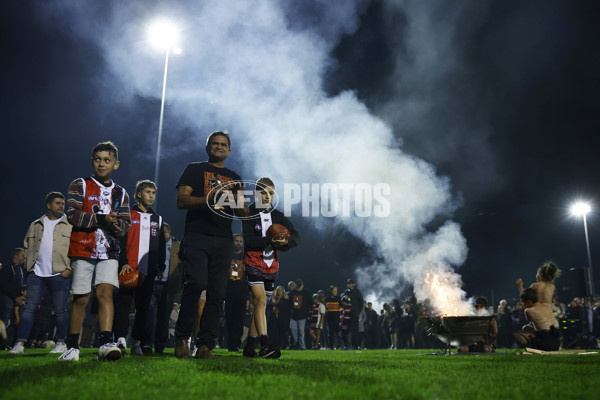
(53, 195)
(218, 133)
(529, 294)
(264, 181)
(14, 252)
(143, 184)
(106, 146)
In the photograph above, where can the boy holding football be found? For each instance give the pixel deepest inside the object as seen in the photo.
(261, 260)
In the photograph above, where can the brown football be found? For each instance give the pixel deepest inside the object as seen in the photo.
(131, 279)
(275, 229)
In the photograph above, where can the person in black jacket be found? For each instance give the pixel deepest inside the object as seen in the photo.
(357, 301)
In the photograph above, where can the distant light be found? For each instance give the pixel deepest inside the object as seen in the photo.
(580, 208)
(163, 34)
(177, 50)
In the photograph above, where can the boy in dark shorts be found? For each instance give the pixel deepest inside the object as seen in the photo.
(98, 209)
(261, 260)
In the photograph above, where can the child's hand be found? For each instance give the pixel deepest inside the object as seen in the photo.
(125, 269)
(280, 240)
(112, 222)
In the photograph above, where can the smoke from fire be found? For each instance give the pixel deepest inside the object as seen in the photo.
(257, 68)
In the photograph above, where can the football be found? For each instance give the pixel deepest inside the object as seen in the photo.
(275, 229)
(131, 279)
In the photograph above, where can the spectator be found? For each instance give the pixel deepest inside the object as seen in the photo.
(143, 249)
(98, 209)
(161, 303)
(300, 300)
(279, 317)
(371, 326)
(12, 278)
(334, 308)
(505, 326)
(356, 299)
(48, 267)
(346, 322)
(237, 294)
(317, 316)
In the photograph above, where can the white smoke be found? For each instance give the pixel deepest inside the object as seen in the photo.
(247, 67)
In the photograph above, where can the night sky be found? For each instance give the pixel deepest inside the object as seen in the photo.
(512, 119)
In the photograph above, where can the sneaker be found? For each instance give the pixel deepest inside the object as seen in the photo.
(70, 355)
(109, 351)
(203, 352)
(136, 348)
(248, 352)
(122, 345)
(147, 349)
(182, 349)
(59, 348)
(269, 352)
(17, 348)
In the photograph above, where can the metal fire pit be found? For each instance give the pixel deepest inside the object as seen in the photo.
(460, 331)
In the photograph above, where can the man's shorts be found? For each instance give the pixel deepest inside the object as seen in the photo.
(88, 271)
(254, 280)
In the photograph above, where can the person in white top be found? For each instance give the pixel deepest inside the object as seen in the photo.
(46, 247)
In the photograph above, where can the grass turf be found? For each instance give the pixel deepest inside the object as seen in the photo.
(370, 374)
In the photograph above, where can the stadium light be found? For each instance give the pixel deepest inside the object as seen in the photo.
(163, 35)
(582, 209)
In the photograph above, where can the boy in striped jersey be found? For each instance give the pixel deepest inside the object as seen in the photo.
(98, 209)
(143, 249)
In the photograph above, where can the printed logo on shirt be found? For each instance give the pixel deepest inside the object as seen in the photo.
(257, 227)
(93, 198)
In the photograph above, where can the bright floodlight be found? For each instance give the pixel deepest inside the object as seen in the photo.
(580, 208)
(163, 34)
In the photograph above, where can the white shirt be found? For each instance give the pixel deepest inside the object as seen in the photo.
(43, 264)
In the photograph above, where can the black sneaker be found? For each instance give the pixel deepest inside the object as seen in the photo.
(269, 352)
(249, 352)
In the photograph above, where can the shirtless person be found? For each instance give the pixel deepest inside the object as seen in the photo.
(544, 286)
(542, 333)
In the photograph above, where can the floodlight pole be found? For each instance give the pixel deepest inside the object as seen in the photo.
(160, 123)
(589, 254)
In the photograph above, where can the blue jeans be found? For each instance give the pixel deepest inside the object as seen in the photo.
(36, 287)
(297, 328)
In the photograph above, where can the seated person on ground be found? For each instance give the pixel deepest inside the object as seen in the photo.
(542, 332)
(487, 344)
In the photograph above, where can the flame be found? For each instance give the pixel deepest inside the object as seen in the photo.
(445, 295)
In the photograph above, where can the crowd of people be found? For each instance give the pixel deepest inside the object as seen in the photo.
(95, 272)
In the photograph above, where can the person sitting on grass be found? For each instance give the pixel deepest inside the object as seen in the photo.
(261, 260)
(542, 332)
(486, 344)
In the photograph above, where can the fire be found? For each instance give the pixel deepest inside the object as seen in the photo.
(446, 298)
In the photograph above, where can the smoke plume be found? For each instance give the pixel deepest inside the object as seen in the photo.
(257, 68)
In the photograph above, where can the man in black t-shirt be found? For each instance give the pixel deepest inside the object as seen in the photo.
(207, 246)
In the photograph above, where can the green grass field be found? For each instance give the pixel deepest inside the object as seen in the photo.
(370, 374)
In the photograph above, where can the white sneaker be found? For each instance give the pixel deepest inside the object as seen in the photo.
(59, 348)
(17, 348)
(109, 351)
(122, 345)
(70, 355)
